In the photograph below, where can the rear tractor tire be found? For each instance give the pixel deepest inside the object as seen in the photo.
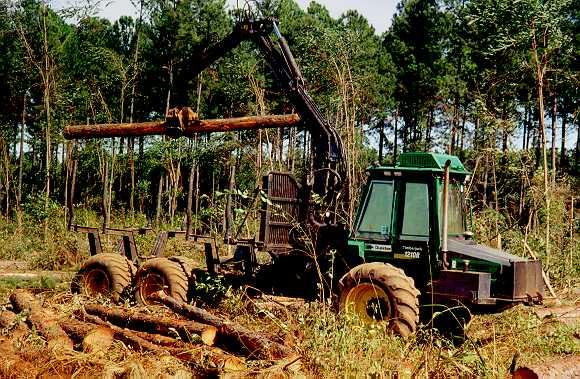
(379, 292)
(174, 276)
(108, 275)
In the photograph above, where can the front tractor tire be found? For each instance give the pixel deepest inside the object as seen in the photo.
(171, 275)
(108, 275)
(379, 292)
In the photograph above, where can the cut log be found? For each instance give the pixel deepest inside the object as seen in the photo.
(92, 338)
(568, 367)
(254, 343)
(87, 333)
(207, 356)
(160, 340)
(152, 324)
(42, 319)
(127, 336)
(75, 329)
(98, 340)
(10, 322)
(136, 342)
(190, 128)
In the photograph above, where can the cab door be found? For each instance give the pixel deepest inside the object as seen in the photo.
(412, 240)
(375, 219)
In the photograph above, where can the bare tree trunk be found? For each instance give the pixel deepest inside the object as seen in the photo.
(540, 88)
(192, 172)
(71, 184)
(291, 148)
(554, 118)
(564, 118)
(105, 200)
(259, 155)
(529, 123)
(168, 101)
(476, 134)
(229, 219)
(188, 215)
(131, 157)
(131, 141)
(196, 205)
(21, 155)
(577, 154)
(280, 148)
(454, 125)
(485, 179)
(524, 137)
(396, 135)
(159, 196)
(111, 181)
(522, 191)
(66, 163)
(496, 199)
(381, 140)
(462, 142)
(48, 129)
(504, 144)
(6, 173)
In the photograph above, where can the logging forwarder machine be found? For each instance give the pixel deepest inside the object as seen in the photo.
(408, 245)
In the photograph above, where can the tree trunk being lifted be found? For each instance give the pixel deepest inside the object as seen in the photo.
(41, 319)
(189, 128)
(152, 324)
(253, 342)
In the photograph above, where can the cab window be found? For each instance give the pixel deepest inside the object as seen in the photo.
(375, 218)
(416, 212)
(455, 215)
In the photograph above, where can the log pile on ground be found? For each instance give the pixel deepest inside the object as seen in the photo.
(204, 342)
(568, 367)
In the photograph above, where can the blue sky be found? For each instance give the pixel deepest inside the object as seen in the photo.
(378, 12)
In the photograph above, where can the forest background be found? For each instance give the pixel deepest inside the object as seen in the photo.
(495, 83)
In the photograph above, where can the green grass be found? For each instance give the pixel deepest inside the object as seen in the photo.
(339, 345)
(44, 282)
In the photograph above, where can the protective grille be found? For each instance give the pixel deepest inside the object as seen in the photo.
(281, 213)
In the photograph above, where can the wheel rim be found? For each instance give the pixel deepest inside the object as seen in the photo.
(149, 284)
(96, 282)
(370, 302)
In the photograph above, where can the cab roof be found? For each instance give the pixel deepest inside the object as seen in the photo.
(424, 162)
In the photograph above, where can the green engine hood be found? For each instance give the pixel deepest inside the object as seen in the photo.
(473, 250)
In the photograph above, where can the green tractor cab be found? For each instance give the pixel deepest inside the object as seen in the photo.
(400, 222)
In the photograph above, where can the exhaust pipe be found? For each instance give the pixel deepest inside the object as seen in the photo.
(445, 213)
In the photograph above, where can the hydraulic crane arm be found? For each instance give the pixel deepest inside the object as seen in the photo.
(328, 156)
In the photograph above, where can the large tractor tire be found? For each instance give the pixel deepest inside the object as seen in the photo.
(109, 275)
(379, 292)
(156, 274)
(188, 266)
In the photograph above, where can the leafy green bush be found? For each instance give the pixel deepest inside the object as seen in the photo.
(39, 208)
